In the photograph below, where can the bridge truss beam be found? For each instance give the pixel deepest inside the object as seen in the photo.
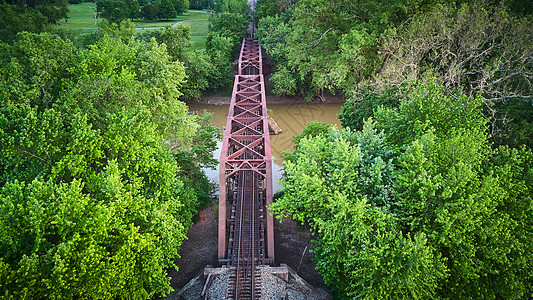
(245, 231)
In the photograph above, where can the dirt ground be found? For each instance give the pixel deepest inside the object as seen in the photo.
(292, 246)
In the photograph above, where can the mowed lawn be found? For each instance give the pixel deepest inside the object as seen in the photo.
(82, 17)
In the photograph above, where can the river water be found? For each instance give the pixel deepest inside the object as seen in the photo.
(291, 118)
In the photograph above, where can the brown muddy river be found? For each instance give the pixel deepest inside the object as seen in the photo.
(291, 118)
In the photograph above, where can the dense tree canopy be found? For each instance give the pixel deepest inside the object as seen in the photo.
(201, 4)
(416, 204)
(149, 11)
(226, 31)
(93, 203)
(416, 197)
(350, 47)
(114, 11)
(165, 10)
(31, 16)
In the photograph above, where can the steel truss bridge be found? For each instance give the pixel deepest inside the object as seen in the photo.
(246, 236)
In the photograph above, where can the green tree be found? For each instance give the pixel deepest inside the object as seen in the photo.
(93, 201)
(362, 106)
(181, 6)
(226, 31)
(333, 45)
(149, 12)
(165, 10)
(133, 8)
(422, 176)
(14, 19)
(273, 33)
(267, 8)
(199, 69)
(177, 39)
(115, 11)
(232, 25)
(201, 4)
(33, 69)
(197, 154)
(123, 31)
(52, 10)
(360, 249)
(234, 6)
(477, 51)
(220, 50)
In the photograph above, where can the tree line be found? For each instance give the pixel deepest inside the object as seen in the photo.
(101, 162)
(426, 190)
(116, 11)
(417, 204)
(31, 16)
(357, 48)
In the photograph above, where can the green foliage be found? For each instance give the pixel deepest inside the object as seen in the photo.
(481, 47)
(417, 204)
(123, 31)
(226, 31)
(62, 242)
(220, 50)
(52, 10)
(92, 201)
(233, 25)
(115, 11)
(516, 123)
(201, 4)
(266, 8)
(273, 32)
(149, 12)
(233, 6)
(358, 109)
(133, 9)
(428, 108)
(33, 69)
(165, 10)
(360, 249)
(181, 6)
(465, 46)
(31, 16)
(284, 82)
(198, 153)
(14, 19)
(177, 40)
(313, 129)
(331, 45)
(198, 68)
(443, 190)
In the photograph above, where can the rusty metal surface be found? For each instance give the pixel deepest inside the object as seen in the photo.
(246, 236)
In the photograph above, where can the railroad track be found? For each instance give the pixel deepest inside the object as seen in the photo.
(245, 231)
(245, 282)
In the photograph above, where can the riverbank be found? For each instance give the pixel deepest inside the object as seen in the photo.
(293, 247)
(217, 99)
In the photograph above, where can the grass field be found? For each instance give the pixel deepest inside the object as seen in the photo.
(82, 17)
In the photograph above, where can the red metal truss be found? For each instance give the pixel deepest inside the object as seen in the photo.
(246, 154)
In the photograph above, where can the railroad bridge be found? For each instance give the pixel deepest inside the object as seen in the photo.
(245, 232)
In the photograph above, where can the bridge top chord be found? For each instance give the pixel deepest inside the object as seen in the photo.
(246, 147)
(246, 236)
